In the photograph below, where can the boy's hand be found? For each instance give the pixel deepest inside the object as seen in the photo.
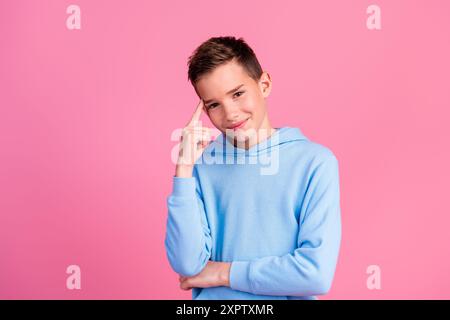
(194, 140)
(215, 274)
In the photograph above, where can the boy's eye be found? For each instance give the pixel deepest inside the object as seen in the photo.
(215, 104)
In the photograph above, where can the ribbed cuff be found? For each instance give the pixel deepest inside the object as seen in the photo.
(240, 276)
(183, 187)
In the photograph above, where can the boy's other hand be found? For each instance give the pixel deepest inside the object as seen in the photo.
(194, 140)
(215, 274)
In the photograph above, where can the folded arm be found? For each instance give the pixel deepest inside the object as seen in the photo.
(309, 269)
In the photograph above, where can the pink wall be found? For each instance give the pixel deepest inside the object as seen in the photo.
(86, 117)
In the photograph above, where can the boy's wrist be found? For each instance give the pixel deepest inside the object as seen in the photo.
(224, 275)
(184, 171)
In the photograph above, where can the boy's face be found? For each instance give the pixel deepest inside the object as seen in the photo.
(226, 108)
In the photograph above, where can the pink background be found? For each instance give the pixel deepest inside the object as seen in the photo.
(86, 118)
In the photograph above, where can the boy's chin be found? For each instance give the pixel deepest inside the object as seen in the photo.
(238, 132)
(240, 135)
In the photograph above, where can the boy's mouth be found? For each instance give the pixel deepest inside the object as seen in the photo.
(238, 125)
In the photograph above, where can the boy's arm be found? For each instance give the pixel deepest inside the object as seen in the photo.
(309, 270)
(188, 241)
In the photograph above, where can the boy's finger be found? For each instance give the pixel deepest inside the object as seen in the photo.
(197, 113)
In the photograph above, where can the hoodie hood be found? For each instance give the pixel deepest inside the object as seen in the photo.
(281, 136)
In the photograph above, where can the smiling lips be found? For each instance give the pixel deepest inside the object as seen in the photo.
(238, 125)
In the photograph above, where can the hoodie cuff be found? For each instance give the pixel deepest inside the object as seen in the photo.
(183, 187)
(240, 276)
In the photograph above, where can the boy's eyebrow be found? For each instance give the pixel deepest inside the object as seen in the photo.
(231, 91)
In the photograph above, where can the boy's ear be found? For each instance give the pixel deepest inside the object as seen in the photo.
(265, 84)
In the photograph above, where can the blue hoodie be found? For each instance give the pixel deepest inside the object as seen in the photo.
(273, 211)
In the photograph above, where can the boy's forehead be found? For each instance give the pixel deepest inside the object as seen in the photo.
(222, 80)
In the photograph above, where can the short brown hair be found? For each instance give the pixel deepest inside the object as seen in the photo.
(220, 50)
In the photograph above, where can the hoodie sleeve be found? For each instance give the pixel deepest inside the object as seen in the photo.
(309, 269)
(188, 240)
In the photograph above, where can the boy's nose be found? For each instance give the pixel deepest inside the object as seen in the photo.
(231, 113)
